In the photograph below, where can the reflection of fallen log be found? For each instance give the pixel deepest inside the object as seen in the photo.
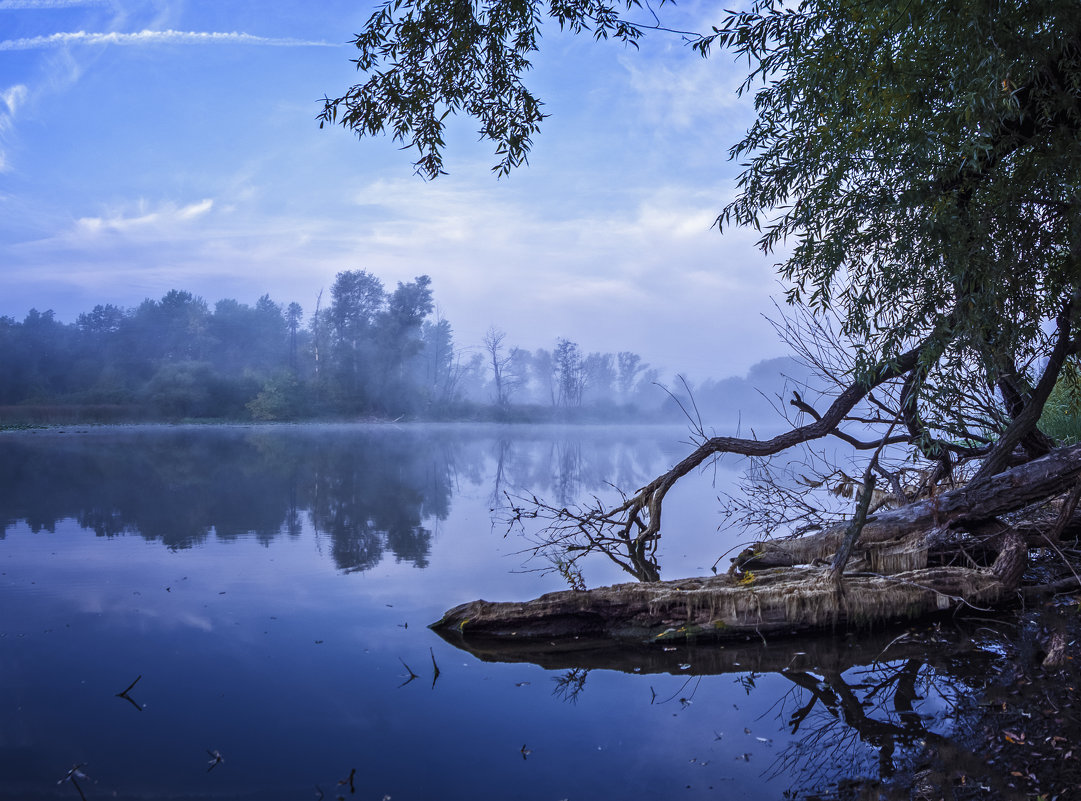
(893, 577)
(828, 654)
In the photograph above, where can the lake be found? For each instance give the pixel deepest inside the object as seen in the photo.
(241, 612)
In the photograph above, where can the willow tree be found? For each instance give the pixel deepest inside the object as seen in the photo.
(921, 161)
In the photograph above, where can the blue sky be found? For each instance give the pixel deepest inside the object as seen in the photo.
(147, 145)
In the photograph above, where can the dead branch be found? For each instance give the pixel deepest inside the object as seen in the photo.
(636, 522)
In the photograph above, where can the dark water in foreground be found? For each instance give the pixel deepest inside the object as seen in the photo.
(271, 588)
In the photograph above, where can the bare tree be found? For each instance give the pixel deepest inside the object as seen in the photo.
(570, 376)
(629, 365)
(504, 364)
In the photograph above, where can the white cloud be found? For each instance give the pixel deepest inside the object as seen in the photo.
(148, 37)
(686, 94)
(13, 97)
(646, 272)
(10, 101)
(164, 218)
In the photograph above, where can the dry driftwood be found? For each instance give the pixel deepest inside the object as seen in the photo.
(798, 595)
(776, 601)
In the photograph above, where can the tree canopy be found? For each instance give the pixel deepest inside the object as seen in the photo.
(919, 158)
(914, 163)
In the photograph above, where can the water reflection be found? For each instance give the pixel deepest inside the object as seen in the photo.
(180, 487)
(370, 490)
(877, 715)
(253, 636)
(569, 467)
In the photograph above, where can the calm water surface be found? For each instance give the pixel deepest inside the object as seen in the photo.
(271, 588)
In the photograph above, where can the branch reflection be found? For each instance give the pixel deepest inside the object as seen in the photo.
(868, 717)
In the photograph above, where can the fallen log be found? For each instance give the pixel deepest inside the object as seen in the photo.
(800, 595)
(904, 538)
(771, 602)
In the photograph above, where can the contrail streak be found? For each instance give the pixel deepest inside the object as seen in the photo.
(152, 37)
(32, 5)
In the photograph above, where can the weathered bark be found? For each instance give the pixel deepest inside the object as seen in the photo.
(773, 602)
(855, 526)
(800, 595)
(1058, 655)
(904, 537)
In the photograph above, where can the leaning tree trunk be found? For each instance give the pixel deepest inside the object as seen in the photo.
(785, 587)
(910, 537)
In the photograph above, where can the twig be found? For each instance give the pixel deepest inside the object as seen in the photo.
(412, 675)
(127, 689)
(128, 698)
(76, 771)
(435, 667)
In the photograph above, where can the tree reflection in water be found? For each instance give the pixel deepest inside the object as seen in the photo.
(568, 469)
(566, 464)
(371, 490)
(868, 716)
(895, 720)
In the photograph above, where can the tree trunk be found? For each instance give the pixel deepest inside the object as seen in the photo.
(774, 602)
(904, 538)
(786, 588)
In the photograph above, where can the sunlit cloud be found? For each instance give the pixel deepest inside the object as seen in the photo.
(148, 37)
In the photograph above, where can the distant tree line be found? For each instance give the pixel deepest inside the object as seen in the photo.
(365, 352)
